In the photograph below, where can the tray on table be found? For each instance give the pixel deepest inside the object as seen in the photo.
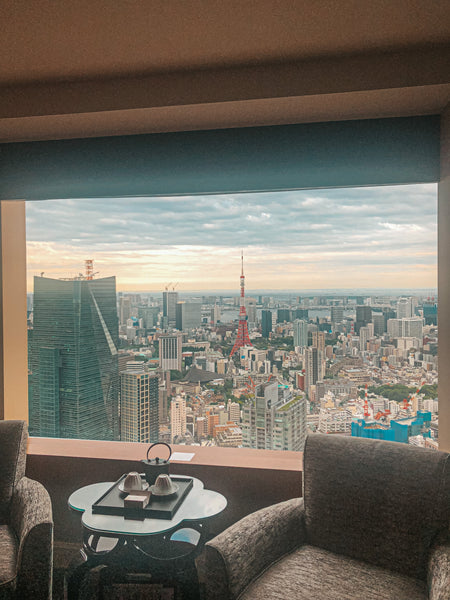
(159, 507)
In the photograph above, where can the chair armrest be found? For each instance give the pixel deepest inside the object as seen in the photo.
(31, 520)
(238, 555)
(439, 573)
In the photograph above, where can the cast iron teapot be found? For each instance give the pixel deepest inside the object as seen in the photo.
(156, 466)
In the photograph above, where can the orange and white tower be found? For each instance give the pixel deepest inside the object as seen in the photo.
(242, 338)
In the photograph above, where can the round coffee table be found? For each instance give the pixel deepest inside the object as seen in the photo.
(145, 543)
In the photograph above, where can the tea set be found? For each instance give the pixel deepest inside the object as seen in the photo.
(156, 473)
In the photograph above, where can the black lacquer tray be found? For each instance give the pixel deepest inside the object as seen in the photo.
(112, 502)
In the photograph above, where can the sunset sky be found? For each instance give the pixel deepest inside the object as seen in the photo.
(383, 237)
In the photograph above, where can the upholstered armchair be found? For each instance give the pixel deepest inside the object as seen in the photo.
(26, 527)
(373, 524)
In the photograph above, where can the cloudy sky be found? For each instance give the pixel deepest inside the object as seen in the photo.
(384, 237)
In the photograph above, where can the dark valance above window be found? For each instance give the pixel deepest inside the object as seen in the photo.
(334, 154)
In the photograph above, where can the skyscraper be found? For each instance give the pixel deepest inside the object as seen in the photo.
(74, 360)
(170, 300)
(300, 333)
(266, 323)
(170, 352)
(188, 315)
(337, 314)
(177, 418)
(139, 404)
(404, 308)
(313, 367)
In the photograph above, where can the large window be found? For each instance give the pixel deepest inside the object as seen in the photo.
(334, 329)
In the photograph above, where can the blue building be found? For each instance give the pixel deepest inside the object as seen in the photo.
(396, 431)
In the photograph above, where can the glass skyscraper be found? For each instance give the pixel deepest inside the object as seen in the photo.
(74, 391)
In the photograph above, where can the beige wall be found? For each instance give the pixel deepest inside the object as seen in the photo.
(14, 387)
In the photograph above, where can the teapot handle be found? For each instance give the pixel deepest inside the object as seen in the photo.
(160, 444)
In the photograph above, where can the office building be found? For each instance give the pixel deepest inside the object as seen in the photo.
(379, 323)
(314, 370)
(300, 333)
(170, 352)
(74, 359)
(364, 335)
(177, 418)
(363, 317)
(170, 300)
(266, 323)
(404, 308)
(139, 404)
(337, 314)
(318, 340)
(124, 309)
(149, 316)
(188, 315)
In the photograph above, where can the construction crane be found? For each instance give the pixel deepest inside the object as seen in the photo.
(167, 286)
(174, 286)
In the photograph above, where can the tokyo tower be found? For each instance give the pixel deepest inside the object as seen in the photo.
(242, 334)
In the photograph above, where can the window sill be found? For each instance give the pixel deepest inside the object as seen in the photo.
(209, 456)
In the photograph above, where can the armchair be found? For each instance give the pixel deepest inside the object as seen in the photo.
(26, 527)
(373, 524)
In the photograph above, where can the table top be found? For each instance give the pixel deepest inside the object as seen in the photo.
(199, 505)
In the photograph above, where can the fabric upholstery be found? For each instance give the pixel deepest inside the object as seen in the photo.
(311, 573)
(8, 559)
(31, 519)
(240, 553)
(13, 444)
(381, 502)
(439, 573)
(26, 537)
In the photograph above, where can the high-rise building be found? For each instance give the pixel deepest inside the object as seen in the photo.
(408, 327)
(364, 335)
(215, 314)
(313, 367)
(363, 317)
(379, 323)
(74, 359)
(177, 418)
(284, 315)
(274, 421)
(404, 308)
(234, 411)
(170, 352)
(266, 323)
(250, 305)
(337, 314)
(170, 300)
(124, 309)
(149, 316)
(300, 333)
(430, 312)
(188, 315)
(318, 340)
(139, 404)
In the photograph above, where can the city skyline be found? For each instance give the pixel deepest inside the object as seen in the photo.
(322, 239)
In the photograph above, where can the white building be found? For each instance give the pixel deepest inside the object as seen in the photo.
(177, 418)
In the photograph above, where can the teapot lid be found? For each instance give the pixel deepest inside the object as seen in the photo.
(157, 459)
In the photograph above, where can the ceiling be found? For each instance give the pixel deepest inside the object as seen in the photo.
(63, 40)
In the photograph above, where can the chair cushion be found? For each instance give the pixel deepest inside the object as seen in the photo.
(385, 503)
(8, 557)
(310, 573)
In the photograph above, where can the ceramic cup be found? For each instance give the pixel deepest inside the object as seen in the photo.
(164, 484)
(132, 482)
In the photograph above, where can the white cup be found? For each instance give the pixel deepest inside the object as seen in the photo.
(132, 482)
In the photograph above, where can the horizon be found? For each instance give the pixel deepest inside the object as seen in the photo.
(333, 239)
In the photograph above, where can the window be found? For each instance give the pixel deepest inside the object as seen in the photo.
(340, 288)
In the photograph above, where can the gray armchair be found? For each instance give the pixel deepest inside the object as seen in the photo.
(26, 527)
(373, 524)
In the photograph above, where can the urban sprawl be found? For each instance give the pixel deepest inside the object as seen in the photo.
(259, 371)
